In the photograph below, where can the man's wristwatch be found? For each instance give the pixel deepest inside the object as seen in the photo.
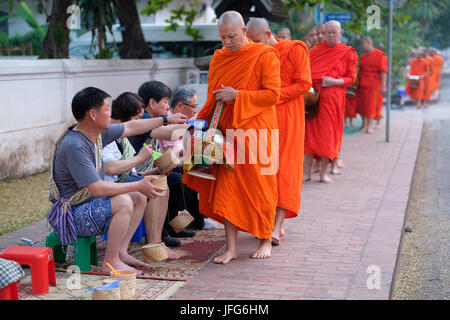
(165, 121)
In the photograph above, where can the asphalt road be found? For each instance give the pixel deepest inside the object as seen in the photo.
(422, 271)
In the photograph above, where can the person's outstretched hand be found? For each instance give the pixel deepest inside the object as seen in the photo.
(177, 118)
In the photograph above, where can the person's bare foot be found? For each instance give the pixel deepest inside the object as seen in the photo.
(369, 131)
(173, 254)
(340, 164)
(316, 167)
(276, 238)
(264, 250)
(326, 179)
(132, 261)
(275, 242)
(282, 233)
(226, 257)
(119, 265)
(335, 171)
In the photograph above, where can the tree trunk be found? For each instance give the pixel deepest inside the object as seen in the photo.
(133, 45)
(56, 41)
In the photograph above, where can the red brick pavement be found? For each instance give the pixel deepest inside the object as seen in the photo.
(345, 241)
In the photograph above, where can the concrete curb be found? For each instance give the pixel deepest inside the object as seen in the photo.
(380, 250)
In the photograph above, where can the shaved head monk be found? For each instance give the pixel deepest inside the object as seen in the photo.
(320, 30)
(436, 73)
(311, 38)
(295, 81)
(246, 77)
(429, 77)
(372, 79)
(333, 68)
(284, 34)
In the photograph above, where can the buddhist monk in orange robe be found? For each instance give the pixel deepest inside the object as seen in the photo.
(437, 65)
(350, 106)
(320, 33)
(311, 38)
(372, 79)
(417, 67)
(246, 77)
(284, 34)
(428, 80)
(333, 68)
(379, 113)
(295, 81)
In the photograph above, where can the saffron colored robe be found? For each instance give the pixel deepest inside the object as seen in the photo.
(417, 67)
(323, 135)
(379, 104)
(247, 196)
(350, 106)
(436, 72)
(295, 81)
(370, 66)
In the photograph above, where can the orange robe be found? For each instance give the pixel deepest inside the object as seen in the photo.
(428, 80)
(295, 81)
(417, 67)
(370, 66)
(323, 135)
(350, 106)
(379, 106)
(436, 73)
(247, 196)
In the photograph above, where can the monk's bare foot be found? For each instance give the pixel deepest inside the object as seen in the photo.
(119, 265)
(172, 254)
(307, 179)
(316, 167)
(326, 179)
(340, 164)
(276, 238)
(377, 126)
(335, 171)
(369, 131)
(282, 233)
(275, 242)
(226, 257)
(264, 250)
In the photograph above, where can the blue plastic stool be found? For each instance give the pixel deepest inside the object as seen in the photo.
(137, 237)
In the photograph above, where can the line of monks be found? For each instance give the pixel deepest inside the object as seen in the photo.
(261, 80)
(365, 96)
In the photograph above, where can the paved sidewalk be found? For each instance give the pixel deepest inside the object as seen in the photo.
(344, 243)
